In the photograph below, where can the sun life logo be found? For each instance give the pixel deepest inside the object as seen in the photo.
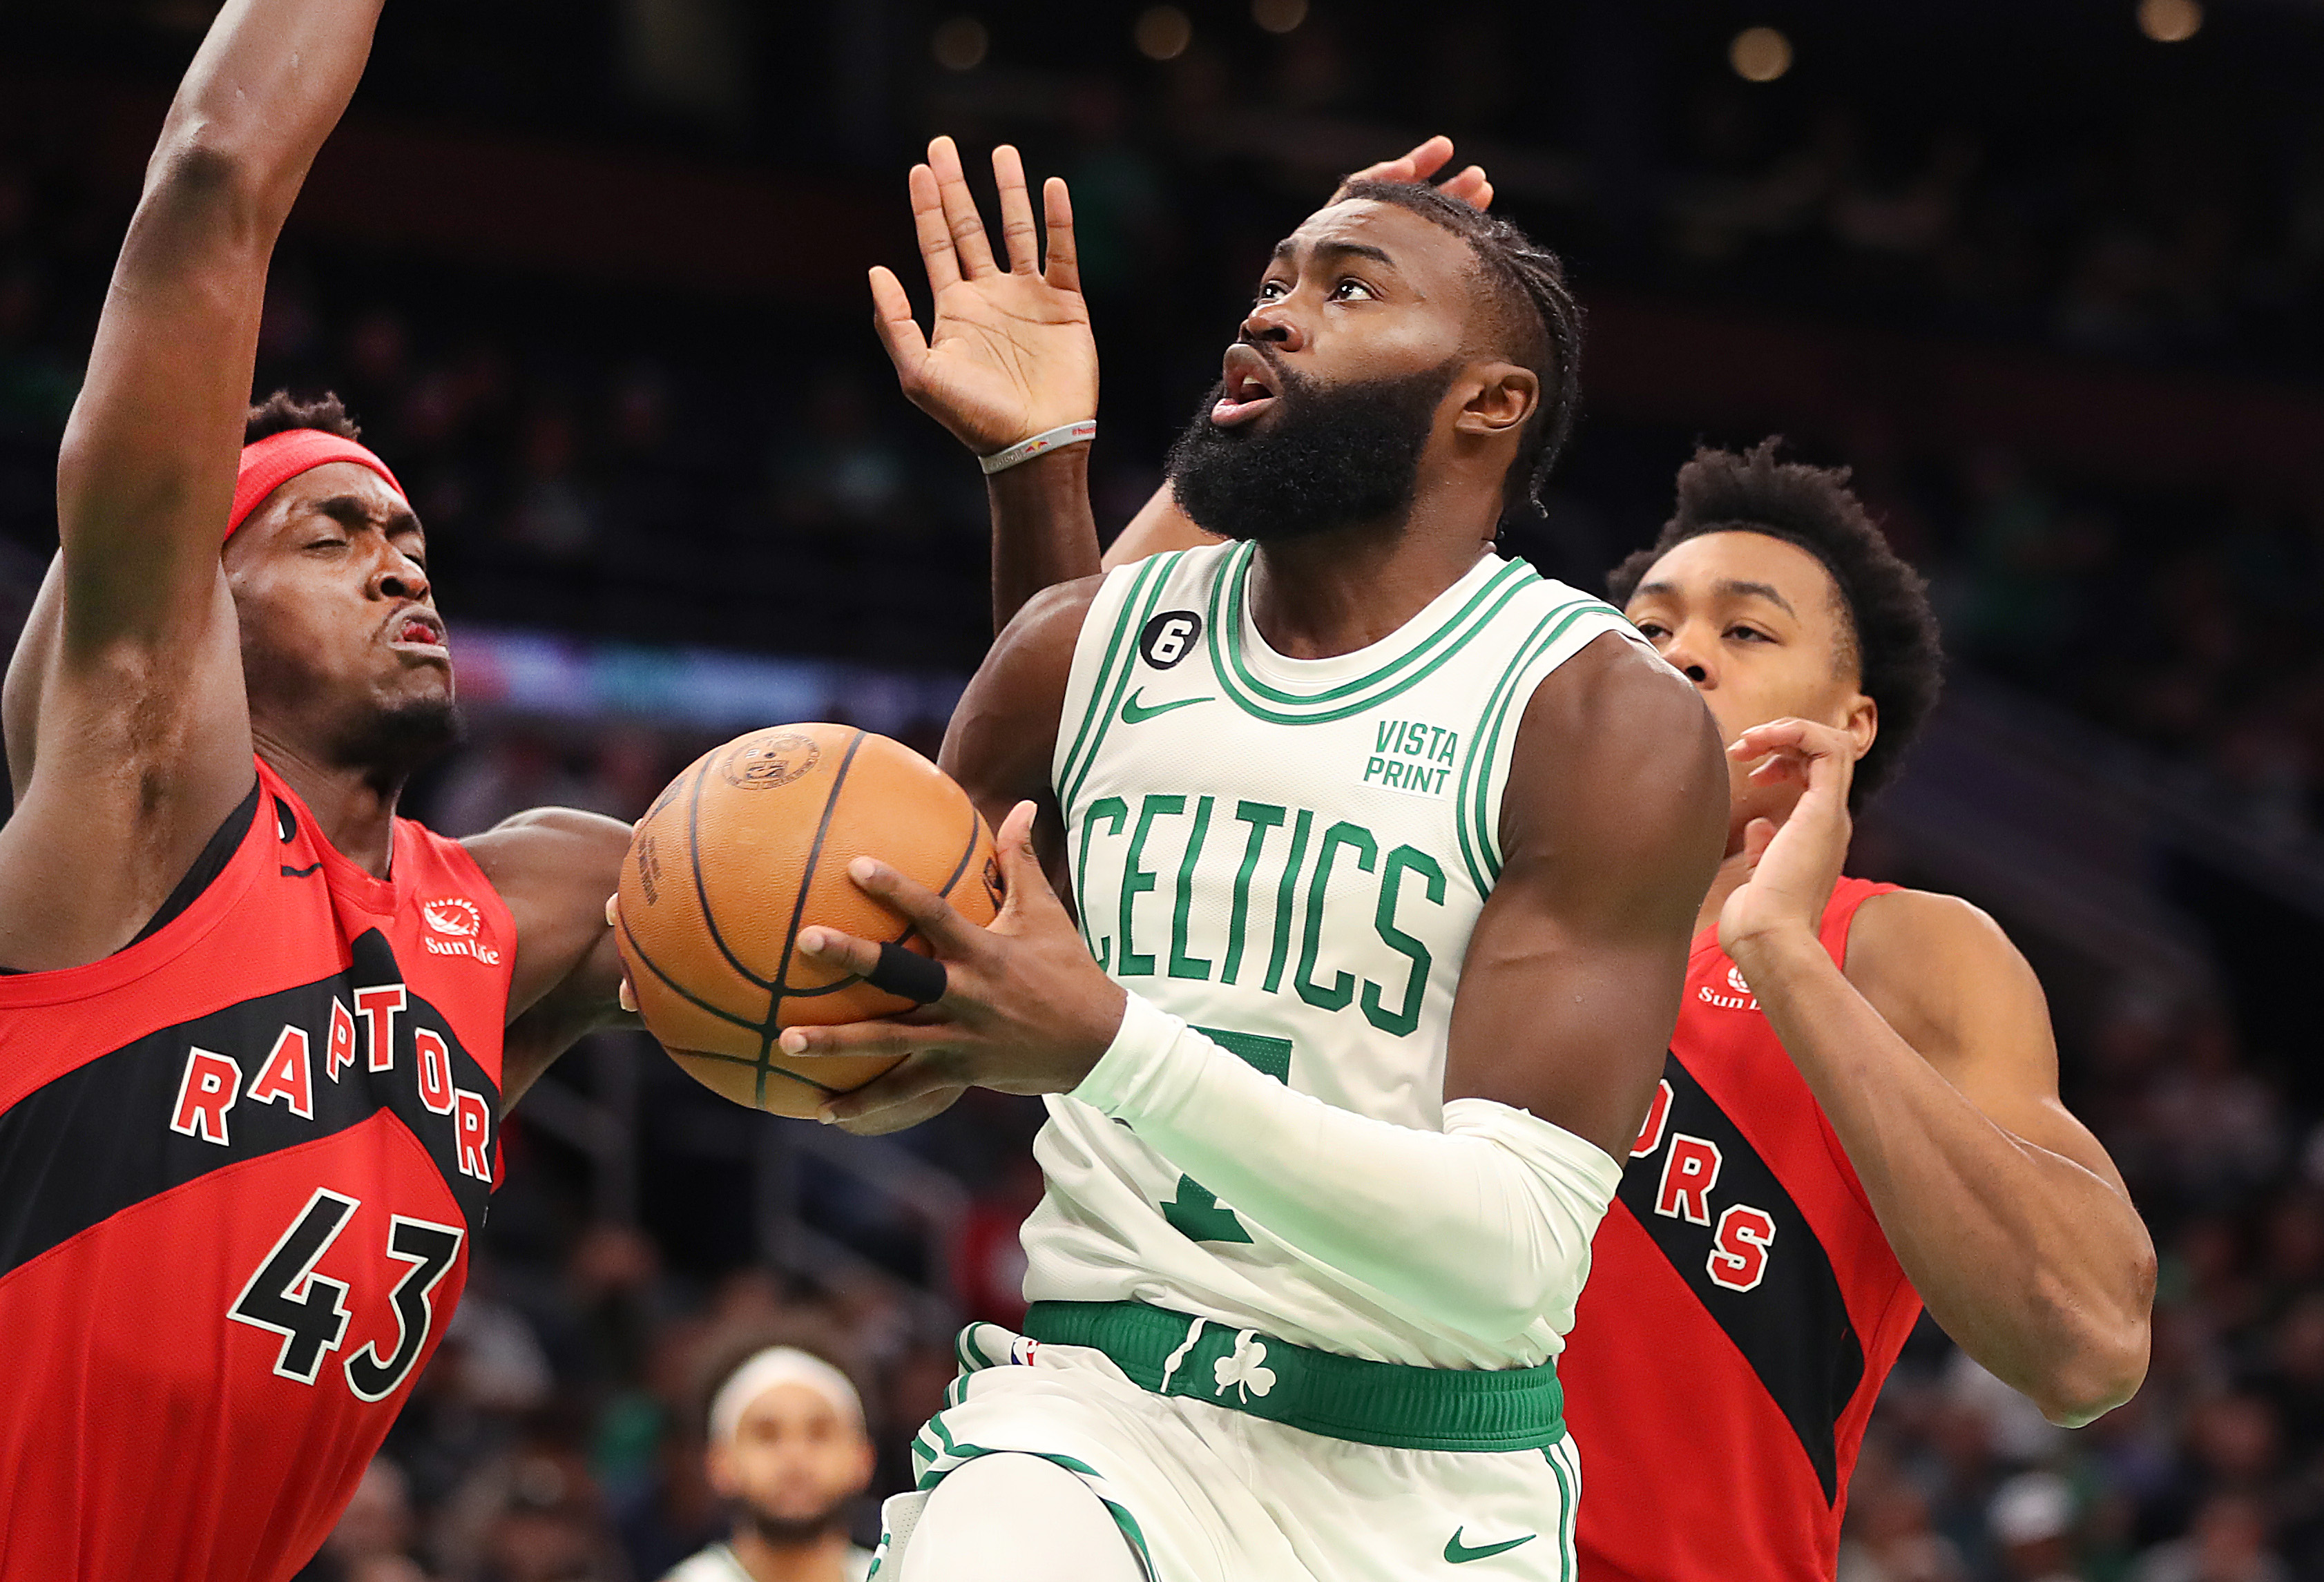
(1742, 999)
(462, 925)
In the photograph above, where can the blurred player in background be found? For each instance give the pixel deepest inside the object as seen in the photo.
(1859, 1110)
(1335, 802)
(788, 1449)
(252, 1054)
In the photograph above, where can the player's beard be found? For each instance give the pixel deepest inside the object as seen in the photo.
(388, 744)
(798, 1532)
(1327, 456)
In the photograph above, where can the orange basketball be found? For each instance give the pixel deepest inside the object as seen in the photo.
(750, 845)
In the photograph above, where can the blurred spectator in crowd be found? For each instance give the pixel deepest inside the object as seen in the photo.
(372, 1541)
(2032, 1519)
(532, 1514)
(790, 1451)
(2228, 1544)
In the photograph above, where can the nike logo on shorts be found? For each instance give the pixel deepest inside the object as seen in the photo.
(1458, 1553)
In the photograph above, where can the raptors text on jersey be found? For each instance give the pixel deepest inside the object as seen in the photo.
(1742, 1310)
(241, 1162)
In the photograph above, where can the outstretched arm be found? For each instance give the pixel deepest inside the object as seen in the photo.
(1009, 356)
(1932, 1055)
(132, 679)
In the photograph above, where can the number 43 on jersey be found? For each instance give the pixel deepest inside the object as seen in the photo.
(286, 1296)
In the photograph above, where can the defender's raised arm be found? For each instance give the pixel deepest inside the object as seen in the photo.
(127, 720)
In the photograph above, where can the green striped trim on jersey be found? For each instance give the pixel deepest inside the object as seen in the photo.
(1480, 840)
(936, 1453)
(1273, 705)
(1318, 1392)
(1114, 672)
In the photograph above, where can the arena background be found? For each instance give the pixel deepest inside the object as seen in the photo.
(2045, 274)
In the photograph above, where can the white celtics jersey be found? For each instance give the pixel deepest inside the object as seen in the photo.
(1289, 854)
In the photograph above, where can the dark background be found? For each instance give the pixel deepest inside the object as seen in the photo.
(590, 274)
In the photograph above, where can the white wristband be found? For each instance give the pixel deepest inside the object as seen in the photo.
(1025, 450)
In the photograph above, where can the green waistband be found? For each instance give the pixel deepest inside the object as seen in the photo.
(1340, 1397)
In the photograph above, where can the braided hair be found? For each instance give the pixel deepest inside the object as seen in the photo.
(1534, 317)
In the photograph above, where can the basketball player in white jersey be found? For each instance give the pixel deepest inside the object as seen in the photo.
(1386, 854)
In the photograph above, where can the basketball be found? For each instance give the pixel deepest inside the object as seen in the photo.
(750, 845)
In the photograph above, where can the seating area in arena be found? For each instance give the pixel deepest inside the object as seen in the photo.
(634, 459)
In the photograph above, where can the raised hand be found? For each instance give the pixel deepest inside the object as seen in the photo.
(1010, 355)
(1471, 184)
(1025, 1010)
(1793, 866)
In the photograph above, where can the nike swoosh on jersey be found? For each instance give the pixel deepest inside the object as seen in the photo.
(1133, 712)
(1457, 1552)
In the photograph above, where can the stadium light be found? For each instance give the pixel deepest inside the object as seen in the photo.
(1162, 32)
(959, 45)
(1761, 54)
(2170, 21)
(1278, 16)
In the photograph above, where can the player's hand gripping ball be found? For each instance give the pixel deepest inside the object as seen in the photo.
(752, 844)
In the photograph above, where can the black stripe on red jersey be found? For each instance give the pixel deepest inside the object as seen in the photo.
(1779, 1301)
(163, 1111)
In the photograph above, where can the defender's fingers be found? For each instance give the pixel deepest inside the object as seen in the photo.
(902, 1089)
(960, 219)
(929, 228)
(1775, 734)
(1065, 271)
(953, 936)
(1418, 165)
(1429, 157)
(1017, 236)
(891, 316)
(1757, 836)
(1471, 187)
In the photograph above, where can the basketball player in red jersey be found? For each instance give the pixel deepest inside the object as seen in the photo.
(251, 1052)
(1861, 1108)
(1852, 1119)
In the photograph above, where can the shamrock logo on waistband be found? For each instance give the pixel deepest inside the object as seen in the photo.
(1245, 1372)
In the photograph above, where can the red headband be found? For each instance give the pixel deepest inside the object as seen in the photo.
(278, 458)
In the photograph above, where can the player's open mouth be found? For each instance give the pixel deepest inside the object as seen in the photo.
(1251, 386)
(419, 631)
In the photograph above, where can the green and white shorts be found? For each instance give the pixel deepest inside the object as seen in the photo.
(1229, 1456)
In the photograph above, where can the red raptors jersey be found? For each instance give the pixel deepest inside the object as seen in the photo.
(1742, 1310)
(240, 1163)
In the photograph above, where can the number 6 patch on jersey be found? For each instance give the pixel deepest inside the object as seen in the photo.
(1194, 1213)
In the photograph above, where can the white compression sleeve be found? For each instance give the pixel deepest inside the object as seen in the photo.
(1484, 1227)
